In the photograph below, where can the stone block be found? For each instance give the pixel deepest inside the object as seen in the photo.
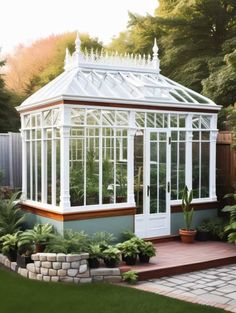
(13, 266)
(83, 268)
(24, 272)
(85, 280)
(61, 257)
(66, 279)
(103, 271)
(72, 272)
(76, 280)
(46, 278)
(112, 279)
(84, 275)
(35, 257)
(52, 257)
(44, 271)
(37, 263)
(32, 275)
(55, 279)
(97, 278)
(38, 270)
(65, 265)
(39, 277)
(84, 256)
(83, 262)
(31, 267)
(42, 257)
(72, 257)
(52, 272)
(61, 272)
(46, 264)
(56, 265)
(7, 263)
(75, 264)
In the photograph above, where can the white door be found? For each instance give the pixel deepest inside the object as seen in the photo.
(155, 219)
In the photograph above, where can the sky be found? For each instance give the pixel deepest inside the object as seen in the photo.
(24, 21)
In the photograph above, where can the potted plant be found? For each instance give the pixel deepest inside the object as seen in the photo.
(203, 233)
(187, 234)
(24, 254)
(146, 251)
(111, 256)
(94, 255)
(9, 245)
(39, 236)
(129, 251)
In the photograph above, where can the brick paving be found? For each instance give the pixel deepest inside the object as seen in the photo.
(215, 287)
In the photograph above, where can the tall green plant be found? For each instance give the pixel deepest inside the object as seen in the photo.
(11, 216)
(230, 229)
(41, 233)
(188, 210)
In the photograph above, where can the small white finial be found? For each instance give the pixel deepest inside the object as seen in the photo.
(77, 43)
(67, 61)
(155, 59)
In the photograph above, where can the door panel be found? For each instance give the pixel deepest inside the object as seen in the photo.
(155, 220)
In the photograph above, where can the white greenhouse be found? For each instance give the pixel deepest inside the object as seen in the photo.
(110, 144)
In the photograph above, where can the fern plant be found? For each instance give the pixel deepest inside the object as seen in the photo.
(188, 210)
(230, 229)
(41, 233)
(11, 216)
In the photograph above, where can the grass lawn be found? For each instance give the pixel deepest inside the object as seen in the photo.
(21, 295)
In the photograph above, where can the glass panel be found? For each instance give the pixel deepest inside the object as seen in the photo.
(195, 135)
(159, 120)
(173, 121)
(108, 118)
(122, 118)
(205, 122)
(182, 120)
(92, 173)
(39, 170)
(28, 169)
(138, 173)
(162, 177)
(195, 169)
(196, 121)
(205, 135)
(49, 171)
(47, 118)
(153, 188)
(174, 169)
(58, 176)
(77, 116)
(181, 182)
(93, 117)
(205, 170)
(140, 119)
(121, 182)
(150, 120)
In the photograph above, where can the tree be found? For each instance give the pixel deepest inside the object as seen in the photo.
(9, 118)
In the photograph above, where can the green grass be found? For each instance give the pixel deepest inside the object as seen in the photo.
(21, 295)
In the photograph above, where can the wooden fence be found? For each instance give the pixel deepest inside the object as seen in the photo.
(10, 159)
(225, 164)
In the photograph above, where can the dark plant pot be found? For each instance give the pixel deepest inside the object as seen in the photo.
(12, 255)
(91, 200)
(120, 199)
(93, 263)
(130, 260)
(143, 258)
(22, 260)
(111, 263)
(187, 236)
(106, 200)
(123, 258)
(202, 235)
(40, 247)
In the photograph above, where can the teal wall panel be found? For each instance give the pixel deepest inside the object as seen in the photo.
(177, 219)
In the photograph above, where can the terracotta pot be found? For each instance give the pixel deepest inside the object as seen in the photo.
(187, 236)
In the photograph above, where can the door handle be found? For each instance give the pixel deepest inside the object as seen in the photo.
(168, 186)
(148, 190)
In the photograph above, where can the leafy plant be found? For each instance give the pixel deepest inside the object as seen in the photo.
(147, 249)
(103, 239)
(71, 242)
(130, 277)
(111, 253)
(41, 233)
(121, 179)
(11, 216)
(10, 242)
(127, 235)
(230, 229)
(186, 206)
(94, 251)
(128, 248)
(106, 177)
(215, 226)
(76, 184)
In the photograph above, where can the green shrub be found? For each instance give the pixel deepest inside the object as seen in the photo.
(40, 234)
(130, 277)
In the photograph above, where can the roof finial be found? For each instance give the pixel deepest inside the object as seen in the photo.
(155, 59)
(67, 61)
(77, 43)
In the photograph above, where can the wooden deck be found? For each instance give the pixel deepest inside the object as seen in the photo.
(176, 258)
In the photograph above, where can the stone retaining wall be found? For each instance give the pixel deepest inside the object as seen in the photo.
(71, 268)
